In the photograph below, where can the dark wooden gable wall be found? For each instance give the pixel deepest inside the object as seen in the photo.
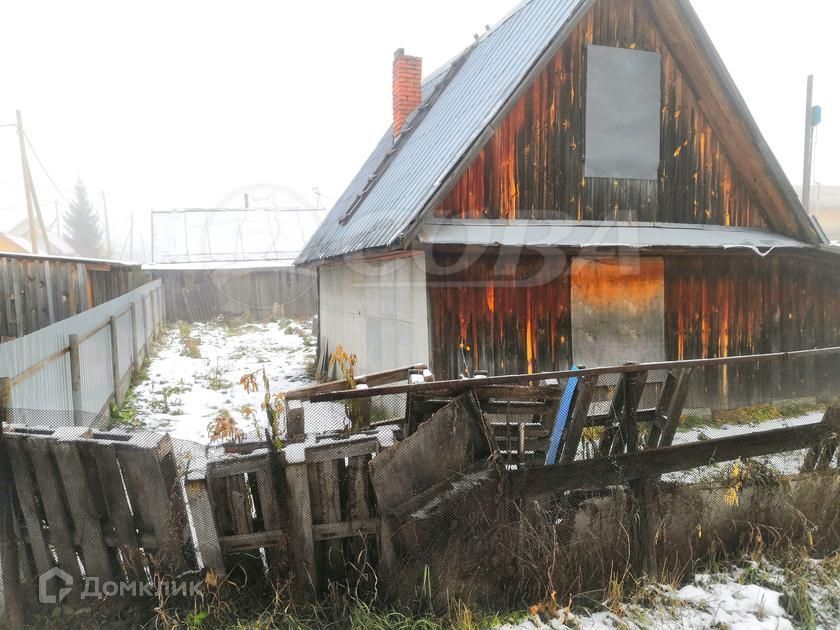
(533, 166)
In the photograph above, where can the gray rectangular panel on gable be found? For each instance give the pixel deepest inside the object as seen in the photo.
(623, 105)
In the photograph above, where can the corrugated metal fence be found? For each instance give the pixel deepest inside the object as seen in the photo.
(82, 364)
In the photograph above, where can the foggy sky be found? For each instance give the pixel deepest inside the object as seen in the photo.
(178, 104)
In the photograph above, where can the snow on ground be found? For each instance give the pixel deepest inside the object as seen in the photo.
(184, 393)
(730, 600)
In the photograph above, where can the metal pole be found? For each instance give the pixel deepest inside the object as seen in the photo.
(809, 144)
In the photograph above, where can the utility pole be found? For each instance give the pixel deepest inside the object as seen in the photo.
(30, 211)
(57, 220)
(813, 117)
(108, 249)
(33, 208)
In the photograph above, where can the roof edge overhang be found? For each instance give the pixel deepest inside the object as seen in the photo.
(676, 19)
(536, 234)
(706, 51)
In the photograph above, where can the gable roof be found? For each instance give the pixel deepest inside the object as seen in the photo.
(381, 208)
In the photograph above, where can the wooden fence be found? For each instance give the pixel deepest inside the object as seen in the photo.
(36, 292)
(335, 507)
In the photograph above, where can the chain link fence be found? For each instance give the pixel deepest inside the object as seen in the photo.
(483, 491)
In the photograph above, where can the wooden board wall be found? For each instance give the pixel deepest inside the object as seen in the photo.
(715, 305)
(533, 166)
(35, 293)
(510, 312)
(202, 294)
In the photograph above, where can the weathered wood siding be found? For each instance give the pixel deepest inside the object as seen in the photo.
(533, 166)
(510, 312)
(513, 312)
(202, 295)
(36, 292)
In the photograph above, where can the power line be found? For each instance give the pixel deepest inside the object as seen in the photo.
(43, 168)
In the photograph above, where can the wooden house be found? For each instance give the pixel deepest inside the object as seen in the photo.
(582, 185)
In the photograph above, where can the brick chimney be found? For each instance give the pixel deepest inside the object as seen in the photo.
(407, 94)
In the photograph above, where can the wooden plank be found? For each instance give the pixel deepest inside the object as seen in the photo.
(238, 465)
(676, 408)
(355, 529)
(86, 519)
(50, 291)
(374, 379)
(207, 537)
(8, 299)
(237, 544)
(10, 540)
(621, 469)
(151, 498)
(634, 384)
(52, 500)
(577, 422)
(358, 508)
(295, 423)
(325, 492)
(306, 573)
(120, 518)
(443, 446)
(17, 289)
(341, 450)
(233, 510)
(660, 414)
(26, 490)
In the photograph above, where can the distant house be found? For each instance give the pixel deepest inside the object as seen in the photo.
(234, 262)
(18, 240)
(582, 185)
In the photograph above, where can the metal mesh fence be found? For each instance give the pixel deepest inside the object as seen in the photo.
(497, 494)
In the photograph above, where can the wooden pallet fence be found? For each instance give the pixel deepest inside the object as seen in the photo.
(105, 503)
(307, 509)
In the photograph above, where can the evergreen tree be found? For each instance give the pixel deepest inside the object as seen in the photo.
(82, 222)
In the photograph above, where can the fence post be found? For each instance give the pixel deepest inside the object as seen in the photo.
(133, 318)
(115, 360)
(76, 379)
(163, 303)
(145, 326)
(8, 546)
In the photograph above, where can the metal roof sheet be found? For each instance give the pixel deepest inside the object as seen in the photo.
(599, 234)
(491, 71)
(400, 180)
